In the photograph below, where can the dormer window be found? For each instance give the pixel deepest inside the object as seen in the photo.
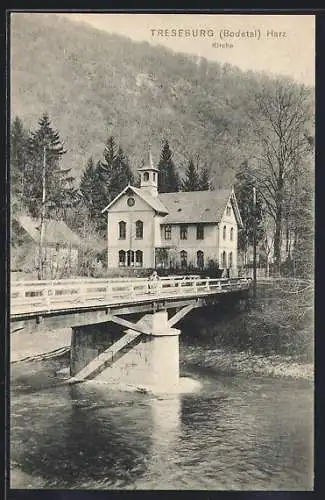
(146, 176)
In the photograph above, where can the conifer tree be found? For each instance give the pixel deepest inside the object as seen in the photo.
(100, 184)
(45, 151)
(90, 189)
(205, 183)
(115, 171)
(250, 216)
(168, 178)
(18, 163)
(191, 182)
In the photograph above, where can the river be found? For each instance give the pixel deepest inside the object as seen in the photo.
(234, 432)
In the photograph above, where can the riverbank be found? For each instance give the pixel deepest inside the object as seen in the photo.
(230, 362)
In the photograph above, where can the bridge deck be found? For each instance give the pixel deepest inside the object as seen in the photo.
(32, 298)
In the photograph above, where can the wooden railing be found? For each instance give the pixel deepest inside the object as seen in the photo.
(32, 296)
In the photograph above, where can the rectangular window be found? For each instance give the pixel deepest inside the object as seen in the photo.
(168, 232)
(183, 232)
(200, 232)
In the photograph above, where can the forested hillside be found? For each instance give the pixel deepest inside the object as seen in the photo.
(93, 84)
(86, 105)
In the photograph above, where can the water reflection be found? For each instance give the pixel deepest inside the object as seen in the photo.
(234, 433)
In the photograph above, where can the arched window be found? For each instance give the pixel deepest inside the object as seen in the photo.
(130, 258)
(231, 234)
(228, 212)
(121, 258)
(146, 176)
(139, 258)
(154, 176)
(200, 259)
(224, 232)
(168, 232)
(230, 259)
(183, 259)
(224, 260)
(122, 230)
(139, 229)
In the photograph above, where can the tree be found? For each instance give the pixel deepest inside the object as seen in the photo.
(168, 178)
(90, 189)
(205, 183)
(100, 184)
(281, 117)
(304, 225)
(115, 170)
(44, 175)
(251, 216)
(191, 182)
(18, 163)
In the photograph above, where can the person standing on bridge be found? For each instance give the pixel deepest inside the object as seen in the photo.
(153, 282)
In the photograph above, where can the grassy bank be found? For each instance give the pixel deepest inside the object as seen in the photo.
(273, 335)
(232, 362)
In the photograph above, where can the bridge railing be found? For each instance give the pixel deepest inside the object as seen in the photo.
(52, 295)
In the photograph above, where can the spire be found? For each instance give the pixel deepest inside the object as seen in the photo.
(149, 175)
(150, 157)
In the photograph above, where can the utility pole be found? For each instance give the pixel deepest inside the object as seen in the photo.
(42, 228)
(254, 241)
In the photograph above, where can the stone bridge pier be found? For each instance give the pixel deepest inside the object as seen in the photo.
(147, 358)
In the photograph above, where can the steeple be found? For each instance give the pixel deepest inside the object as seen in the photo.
(149, 176)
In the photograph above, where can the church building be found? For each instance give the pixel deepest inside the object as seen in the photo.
(171, 230)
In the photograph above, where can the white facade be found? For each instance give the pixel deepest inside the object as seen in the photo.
(121, 212)
(141, 231)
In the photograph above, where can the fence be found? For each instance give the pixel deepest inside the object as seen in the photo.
(66, 294)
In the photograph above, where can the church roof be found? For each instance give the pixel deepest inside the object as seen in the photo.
(198, 206)
(153, 201)
(187, 207)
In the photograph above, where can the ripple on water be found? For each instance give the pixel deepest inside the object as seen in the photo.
(186, 385)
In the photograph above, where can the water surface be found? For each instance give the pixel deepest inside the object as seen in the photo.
(236, 433)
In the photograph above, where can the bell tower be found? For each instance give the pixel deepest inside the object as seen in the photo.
(149, 177)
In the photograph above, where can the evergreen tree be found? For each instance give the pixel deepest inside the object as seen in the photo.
(45, 151)
(205, 183)
(18, 163)
(168, 179)
(191, 182)
(90, 189)
(100, 184)
(244, 193)
(115, 171)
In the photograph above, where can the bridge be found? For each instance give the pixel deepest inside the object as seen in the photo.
(146, 352)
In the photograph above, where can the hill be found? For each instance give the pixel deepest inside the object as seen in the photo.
(94, 84)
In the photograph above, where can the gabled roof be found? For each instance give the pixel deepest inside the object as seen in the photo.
(56, 232)
(198, 206)
(153, 202)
